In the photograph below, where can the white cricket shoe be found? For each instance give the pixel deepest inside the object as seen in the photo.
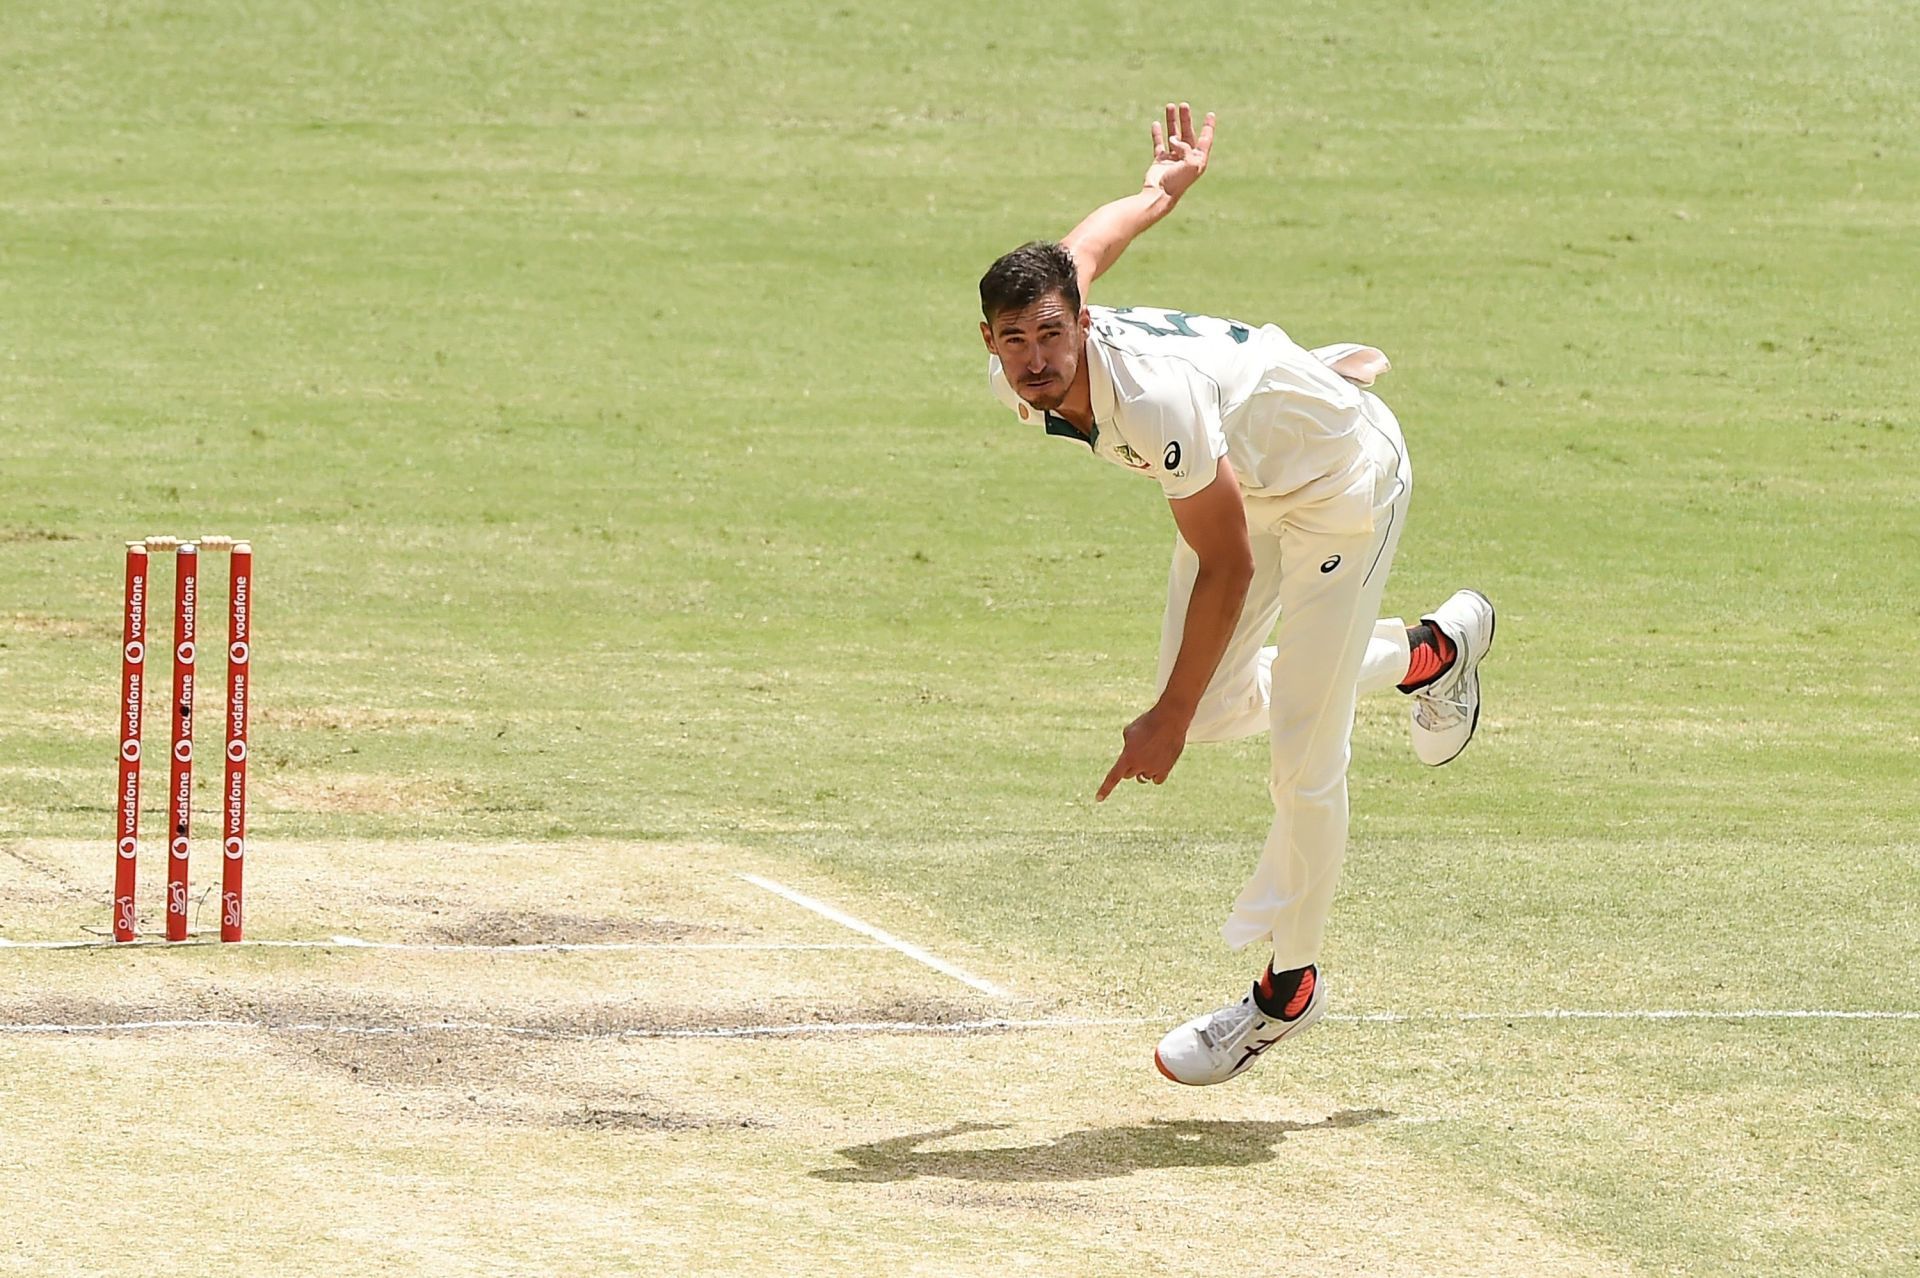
(1220, 1045)
(1446, 711)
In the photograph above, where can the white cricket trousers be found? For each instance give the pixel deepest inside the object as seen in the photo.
(1319, 568)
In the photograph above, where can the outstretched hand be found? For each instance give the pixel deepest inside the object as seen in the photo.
(1179, 156)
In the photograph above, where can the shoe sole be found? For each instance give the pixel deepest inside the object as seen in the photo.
(1493, 627)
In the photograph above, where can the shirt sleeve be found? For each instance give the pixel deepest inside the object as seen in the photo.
(1174, 422)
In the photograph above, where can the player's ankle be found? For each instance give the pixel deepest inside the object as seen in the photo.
(1284, 995)
(1430, 654)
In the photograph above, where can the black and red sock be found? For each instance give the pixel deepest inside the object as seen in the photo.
(1431, 655)
(1284, 995)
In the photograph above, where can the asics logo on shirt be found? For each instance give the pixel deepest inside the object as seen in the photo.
(1331, 564)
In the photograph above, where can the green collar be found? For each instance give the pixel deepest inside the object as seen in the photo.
(1058, 425)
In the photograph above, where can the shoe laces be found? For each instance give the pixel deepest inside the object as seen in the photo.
(1230, 1023)
(1434, 709)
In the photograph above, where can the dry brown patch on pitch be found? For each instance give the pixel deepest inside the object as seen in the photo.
(536, 927)
(639, 1112)
(768, 1017)
(447, 1062)
(477, 1076)
(516, 1064)
(553, 1075)
(64, 1011)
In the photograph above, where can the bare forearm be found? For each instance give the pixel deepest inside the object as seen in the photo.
(1179, 158)
(1103, 235)
(1212, 611)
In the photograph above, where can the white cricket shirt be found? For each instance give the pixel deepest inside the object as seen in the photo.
(1172, 393)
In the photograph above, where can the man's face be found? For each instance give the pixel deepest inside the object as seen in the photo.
(1039, 348)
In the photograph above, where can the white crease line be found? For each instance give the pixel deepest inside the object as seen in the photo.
(116, 1027)
(450, 947)
(535, 1031)
(846, 920)
(1641, 1014)
(989, 1025)
(569, 947)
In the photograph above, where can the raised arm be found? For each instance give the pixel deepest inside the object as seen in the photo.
(1179, 158)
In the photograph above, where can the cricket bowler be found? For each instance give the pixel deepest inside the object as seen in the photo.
(1288, 480)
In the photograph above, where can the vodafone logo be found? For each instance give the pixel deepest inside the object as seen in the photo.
(238, 652)
(237, 751)
(129, 846)
(130, 751)
(136, 652)
(183, 751)
(180, 848)
(236, 848)
(184, 653)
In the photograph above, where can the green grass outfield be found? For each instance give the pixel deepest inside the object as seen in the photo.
(600, 387)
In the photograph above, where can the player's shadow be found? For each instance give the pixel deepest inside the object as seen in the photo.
(1091, 1154)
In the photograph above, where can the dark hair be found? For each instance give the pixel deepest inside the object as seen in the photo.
(1028, 274)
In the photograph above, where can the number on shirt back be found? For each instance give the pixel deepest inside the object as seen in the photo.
(1175, 323)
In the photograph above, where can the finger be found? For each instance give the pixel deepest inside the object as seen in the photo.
(1113, 778)
(1159, 141)
(1173, 122)
(1186, 124)
(1206, 134)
